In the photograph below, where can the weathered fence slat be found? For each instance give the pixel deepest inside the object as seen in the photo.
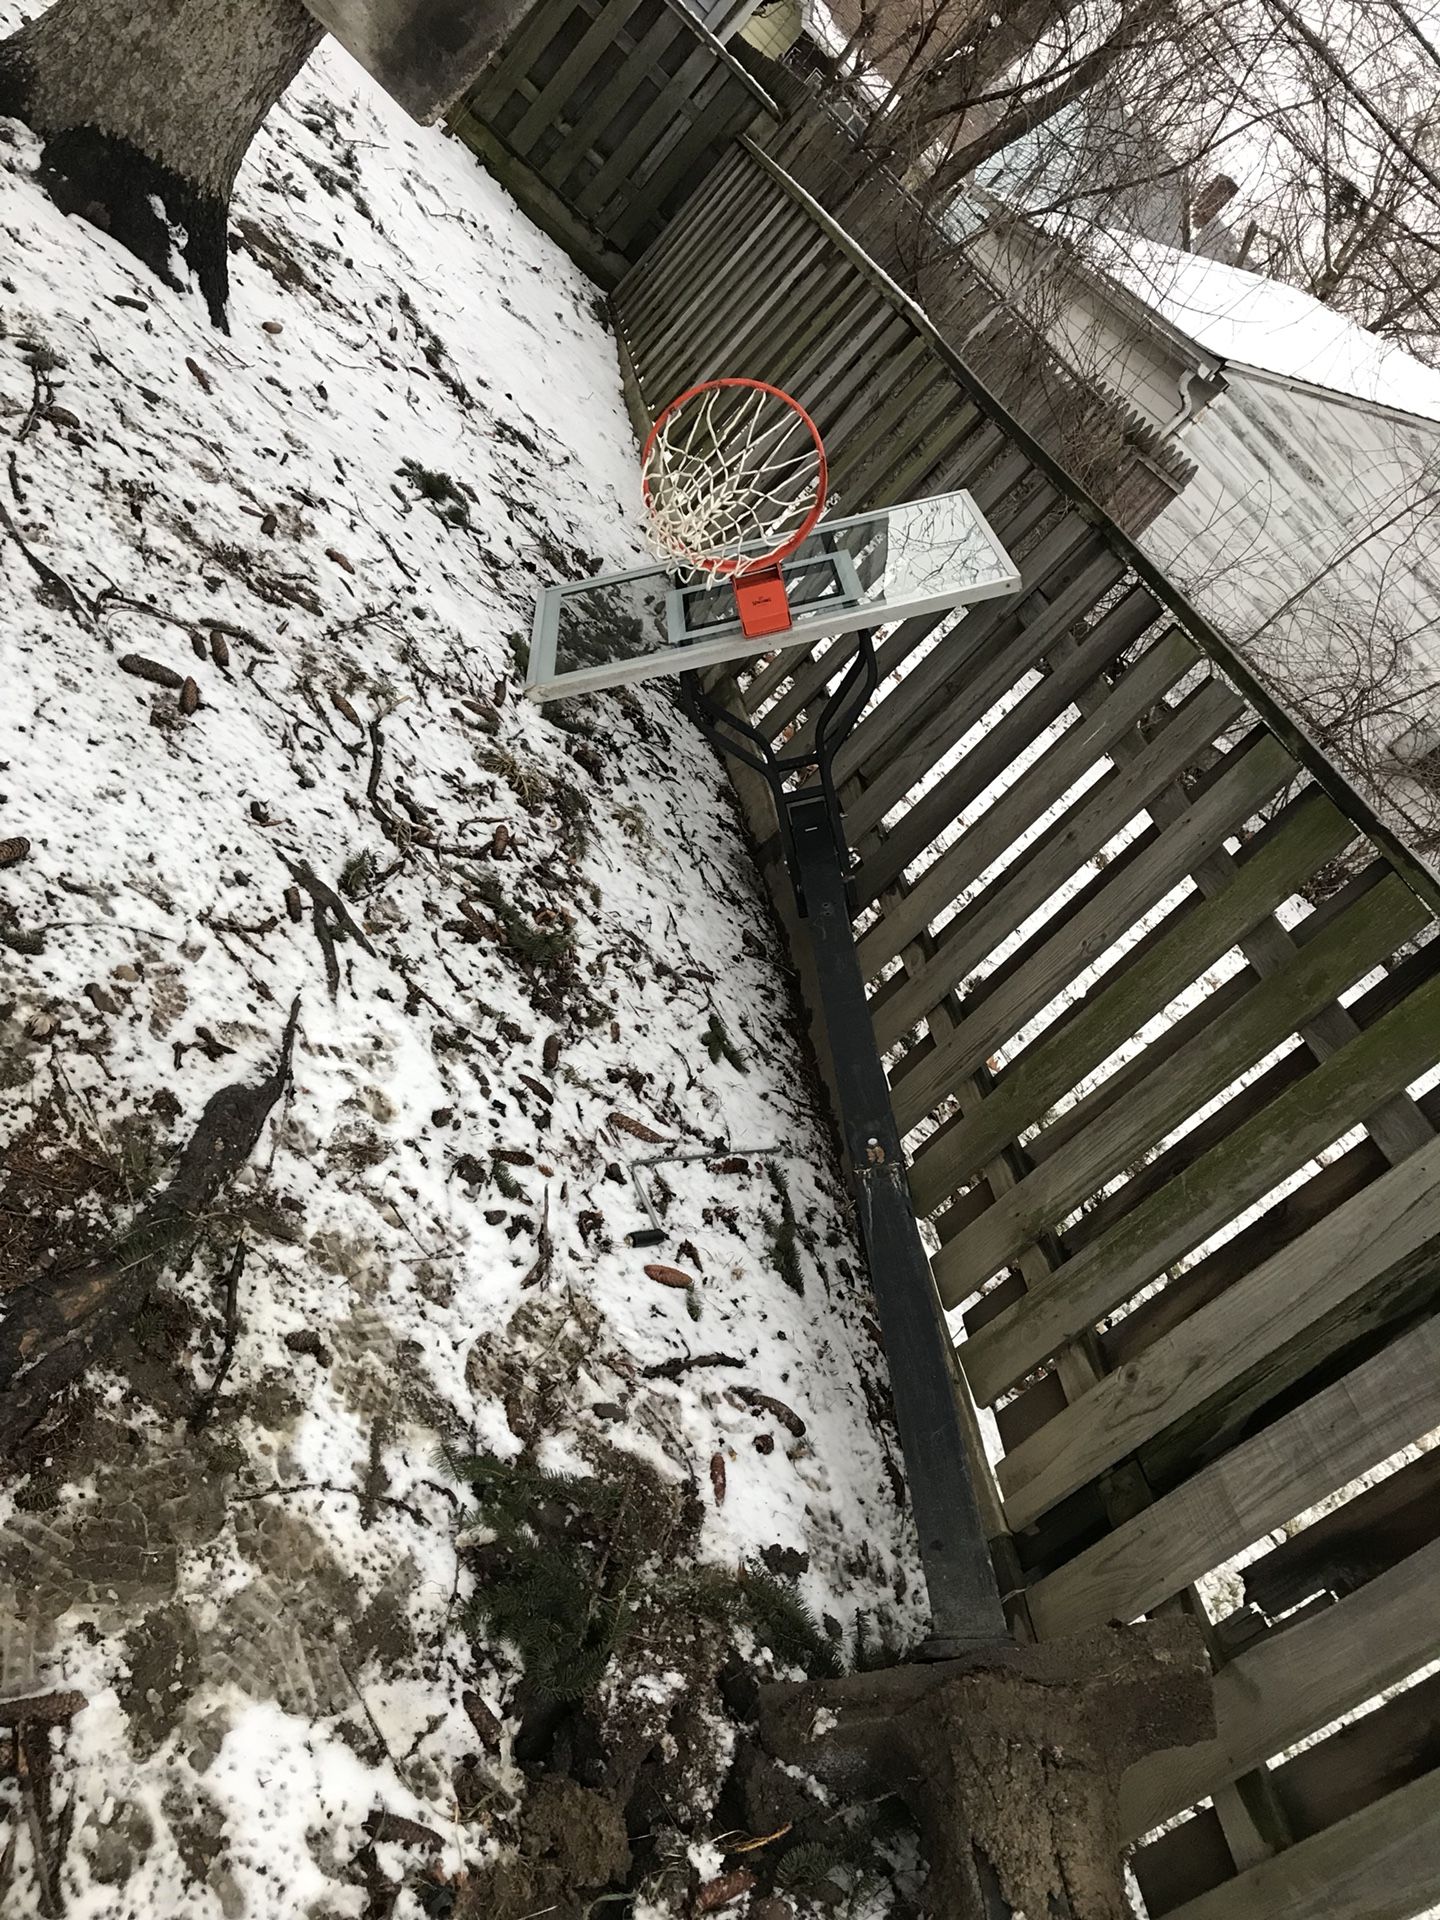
(1381, 1230)
(1240, 1170)
(1077, 837)
(1377, 1865)
(1120, 894)
(1373, 1411)
(933, 811)
(1043, 785)
(1343, 953)
(1289, 1683)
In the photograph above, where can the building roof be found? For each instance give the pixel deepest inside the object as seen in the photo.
(1249, 321)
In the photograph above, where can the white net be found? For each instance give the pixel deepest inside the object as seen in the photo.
(731, 474)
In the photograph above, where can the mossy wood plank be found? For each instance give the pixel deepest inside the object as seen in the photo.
(1293, 1683)
(887, 856)
(1233, 1175)
(1049, 1069)
(1392, 1224)
(1014, 812)
(1096, 818)
(1380, 1864)
(1387, 1403)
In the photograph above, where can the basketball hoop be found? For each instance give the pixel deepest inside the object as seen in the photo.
(734, 477)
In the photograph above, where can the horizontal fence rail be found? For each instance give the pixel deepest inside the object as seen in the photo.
(600, 116)
(1162, 1011)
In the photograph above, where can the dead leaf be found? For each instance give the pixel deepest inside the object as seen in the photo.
(717, 1477)
(342, 705)
(334, 553)
(777, 1409)
(200, 374)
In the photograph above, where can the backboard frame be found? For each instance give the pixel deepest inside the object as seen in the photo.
(847, 612)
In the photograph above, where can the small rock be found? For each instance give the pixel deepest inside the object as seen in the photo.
(124, 972)
(608, 1410)
(63, 417)
(551, 1055)
(442, 1116)
(764, 1443)
(102, 1001)
(292, 904)
(273, 326)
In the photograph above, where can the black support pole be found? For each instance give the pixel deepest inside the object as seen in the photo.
(964, 1599)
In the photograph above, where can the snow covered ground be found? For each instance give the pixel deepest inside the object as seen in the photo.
(263, 599)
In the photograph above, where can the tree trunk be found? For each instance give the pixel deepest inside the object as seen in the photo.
(157, 102)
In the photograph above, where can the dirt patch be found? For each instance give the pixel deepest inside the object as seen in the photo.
(1018, 1760)
(573, 1849)
(58, 1195)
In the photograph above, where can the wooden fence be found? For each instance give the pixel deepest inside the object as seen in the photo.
(601, 115)
(1160, 999)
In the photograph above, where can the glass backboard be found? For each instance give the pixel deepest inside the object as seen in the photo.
(870, 570)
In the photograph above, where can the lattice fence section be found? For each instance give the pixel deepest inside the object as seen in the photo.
(600, 115)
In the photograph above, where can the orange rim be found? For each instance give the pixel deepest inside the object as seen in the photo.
(711, 563)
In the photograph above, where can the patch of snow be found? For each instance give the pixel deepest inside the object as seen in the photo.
(415, 421)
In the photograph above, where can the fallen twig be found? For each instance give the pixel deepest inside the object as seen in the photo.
(206, 1405)
(674, 1369)
(73, 603)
